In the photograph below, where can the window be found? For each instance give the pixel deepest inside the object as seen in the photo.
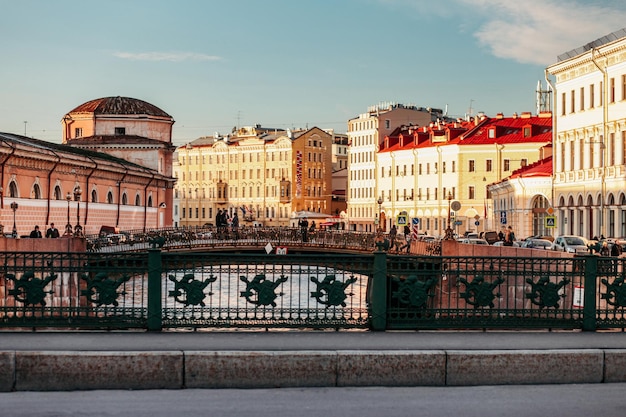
(582, 98)
(137, 200)
(13, 190)
(470, 192)
(387, 124)
(110, 197)
(523, 162)
(592, 96)
(572, 155)
(601, 93)
(124, 199)
(623, 87)
(562, 104)
(488, 165)
(443, 167)
(471, 167)
(572, 103)
(507, 164)
(78, 132)
(453, 166)
(120, 131)
(492, 133)
(612, 90)
(36, 192)
(94, 196)
(527, 131)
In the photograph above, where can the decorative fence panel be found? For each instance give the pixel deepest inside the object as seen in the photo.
(155, 290)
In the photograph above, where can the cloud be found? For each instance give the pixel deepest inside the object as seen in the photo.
(527, 31)
(537, 31)
(166, 56)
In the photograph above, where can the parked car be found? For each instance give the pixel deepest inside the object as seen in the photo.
(571, 244)
(491, 237)
(474, 241)
(533, 243)
(501, 243)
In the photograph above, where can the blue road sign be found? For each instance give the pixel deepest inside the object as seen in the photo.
(503, 217)
(415, 220)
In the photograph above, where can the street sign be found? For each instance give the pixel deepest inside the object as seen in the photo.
(476, 223)
(458, 223)
(402, 220)
(503, 217)
(550, 221)
(415, 221)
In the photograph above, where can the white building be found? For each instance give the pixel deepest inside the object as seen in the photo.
(589, 138)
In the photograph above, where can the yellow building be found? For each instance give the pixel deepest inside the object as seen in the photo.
(263, 175)
(422, 170)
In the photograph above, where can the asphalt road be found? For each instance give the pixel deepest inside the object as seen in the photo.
(606, 400)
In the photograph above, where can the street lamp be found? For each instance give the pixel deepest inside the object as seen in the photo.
(14, 207)
(378, 216)
(77, 194)
(449, 235)
(68, 226)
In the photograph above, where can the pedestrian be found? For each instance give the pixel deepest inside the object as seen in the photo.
(407, 238)
(616, 249)
(36, 233)
(509, 237)
(52, 232)
(304, 226)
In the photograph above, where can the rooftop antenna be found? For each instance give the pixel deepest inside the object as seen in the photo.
(471, 110)
(543, 98)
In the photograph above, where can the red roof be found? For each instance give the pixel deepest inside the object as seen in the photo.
(501, 130)
(542, 168)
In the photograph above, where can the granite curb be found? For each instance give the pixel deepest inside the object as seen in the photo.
(137, 370)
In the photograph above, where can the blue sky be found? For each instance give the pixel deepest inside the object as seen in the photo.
(215, 64)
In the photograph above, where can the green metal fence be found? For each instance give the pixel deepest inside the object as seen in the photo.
(155, 290)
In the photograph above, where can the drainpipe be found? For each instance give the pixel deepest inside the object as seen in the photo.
(605, 120)
(93, 170)
(119, 196)
(58, 161)
(3, 163)
(145, 203)
(554, 119)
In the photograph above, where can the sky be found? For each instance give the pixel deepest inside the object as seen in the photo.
(214, 64)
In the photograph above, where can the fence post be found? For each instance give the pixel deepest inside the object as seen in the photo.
(590, 285)
(378, 292)
(155, 316)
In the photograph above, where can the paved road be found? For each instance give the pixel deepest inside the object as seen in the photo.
(309, 340)
(606, 400)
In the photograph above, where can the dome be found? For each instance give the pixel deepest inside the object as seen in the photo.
(120, 105)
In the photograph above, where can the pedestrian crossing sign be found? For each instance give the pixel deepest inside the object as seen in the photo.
(550, 221)
(402, 220)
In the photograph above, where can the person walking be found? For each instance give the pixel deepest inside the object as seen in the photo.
(52, 232)
(393, 233)
(407, 238)
(36, 233)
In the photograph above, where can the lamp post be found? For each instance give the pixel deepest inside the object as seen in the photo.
(449, 235)
(14, 207)
(68, 226)
(77, 193)
(378, 216)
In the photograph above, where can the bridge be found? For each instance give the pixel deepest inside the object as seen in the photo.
(234, 240)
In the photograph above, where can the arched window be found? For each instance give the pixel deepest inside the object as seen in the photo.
(13, 189)
(124, 199)
(137, 200)
(94, 196)
(36, 192)
(57, 193)
(150, 201)
(110, 197)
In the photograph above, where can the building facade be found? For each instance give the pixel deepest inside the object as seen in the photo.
(527, 194)
(589, 86)
(365, 135)
(264, 175)
(423, 170)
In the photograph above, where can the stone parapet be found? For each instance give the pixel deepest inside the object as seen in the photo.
(90, 370)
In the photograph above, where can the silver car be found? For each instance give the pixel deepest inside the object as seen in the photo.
(571, 244)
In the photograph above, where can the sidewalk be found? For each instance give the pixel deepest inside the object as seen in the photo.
(255, 359)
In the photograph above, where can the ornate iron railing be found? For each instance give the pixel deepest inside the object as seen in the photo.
(156, 289)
